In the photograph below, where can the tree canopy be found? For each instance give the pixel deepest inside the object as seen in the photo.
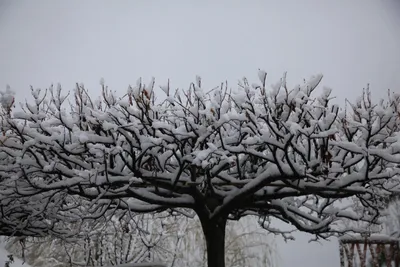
(276, 153)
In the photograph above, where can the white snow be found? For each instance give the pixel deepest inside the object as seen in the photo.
(7, 98)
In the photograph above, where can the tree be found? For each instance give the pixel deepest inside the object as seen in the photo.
(222, 154)
(175, 241)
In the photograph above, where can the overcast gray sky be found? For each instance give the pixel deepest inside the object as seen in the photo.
(352, 42)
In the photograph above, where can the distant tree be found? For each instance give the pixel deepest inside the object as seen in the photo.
(176, 241)
(223, 154)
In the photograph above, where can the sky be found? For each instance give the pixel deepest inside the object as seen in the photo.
(352, 42)
(4, 258)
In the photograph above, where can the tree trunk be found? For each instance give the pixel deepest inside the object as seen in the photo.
(214, 233)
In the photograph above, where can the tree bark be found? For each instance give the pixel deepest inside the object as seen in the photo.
(214, 233)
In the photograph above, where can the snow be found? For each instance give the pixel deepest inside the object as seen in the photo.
(7, 98)
(373, 237)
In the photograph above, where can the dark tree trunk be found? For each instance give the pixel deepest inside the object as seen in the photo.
(214, 233)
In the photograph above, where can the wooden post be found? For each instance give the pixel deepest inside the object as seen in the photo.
(362, 251)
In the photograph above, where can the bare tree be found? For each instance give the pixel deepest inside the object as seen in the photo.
(223, 154)
(107, 243)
